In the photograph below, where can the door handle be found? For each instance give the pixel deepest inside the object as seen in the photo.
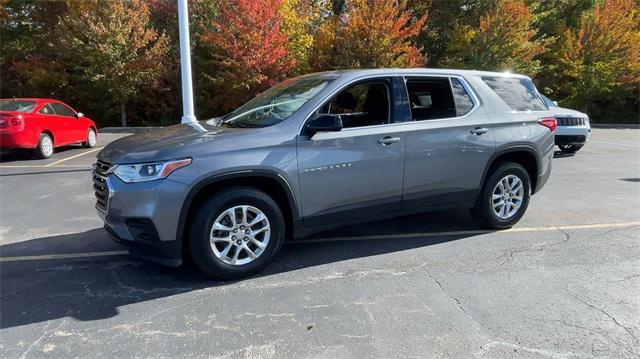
(387, 140)
(479, 131)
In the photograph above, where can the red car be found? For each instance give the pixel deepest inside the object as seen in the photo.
(43, 124)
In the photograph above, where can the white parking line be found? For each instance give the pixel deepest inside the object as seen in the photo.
(72, 157)
(353, 238)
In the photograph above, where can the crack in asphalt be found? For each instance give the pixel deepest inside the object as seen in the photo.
(510, 254)
(607, 314)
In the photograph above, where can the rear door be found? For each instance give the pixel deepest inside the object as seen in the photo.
(448, 146)
(356, 173)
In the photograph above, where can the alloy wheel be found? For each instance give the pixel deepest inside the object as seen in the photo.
(507, 197)
(47, 146)
(240, 235)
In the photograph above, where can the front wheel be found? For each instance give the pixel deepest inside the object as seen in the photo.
(504, 197)
(236, 233)
(92, 138)
(570, 148)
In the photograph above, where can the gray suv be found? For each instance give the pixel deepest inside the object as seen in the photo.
(321, 151)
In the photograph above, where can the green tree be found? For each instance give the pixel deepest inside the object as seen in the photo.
(502, 38)
(112, 45)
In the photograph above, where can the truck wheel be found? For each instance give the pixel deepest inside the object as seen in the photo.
(236, 233)
(570, 148)
(504, 197)
(45, 146)
(92, 138)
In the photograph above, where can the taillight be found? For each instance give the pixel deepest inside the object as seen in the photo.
(15, 121)
(8, 122)
(549, 122)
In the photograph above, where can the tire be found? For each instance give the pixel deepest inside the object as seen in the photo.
(210, 256)
(91, 141)
(570, 148)
(45, 146)
(484, 212)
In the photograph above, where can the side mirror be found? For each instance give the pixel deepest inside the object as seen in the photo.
(324, 123)
(79, 114)
(555, 103)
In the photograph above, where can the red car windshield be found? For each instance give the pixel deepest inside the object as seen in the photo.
(17, 105)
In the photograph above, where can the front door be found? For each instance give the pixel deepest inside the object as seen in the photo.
(356, 173)
(72, 126)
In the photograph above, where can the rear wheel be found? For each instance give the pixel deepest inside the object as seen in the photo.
(570, 148)
(236, 233)
(45, 146)
(92, 138)
(504, 197)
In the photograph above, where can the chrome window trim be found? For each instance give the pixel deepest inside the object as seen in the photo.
(474, 98)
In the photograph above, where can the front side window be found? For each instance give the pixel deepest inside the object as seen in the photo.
(363, 104)
(518, 93)
(430, 98)
(17, 106)
(277, 103)
(461, 97)
(62, 110)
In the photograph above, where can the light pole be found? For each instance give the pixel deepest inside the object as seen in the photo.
(185, 63)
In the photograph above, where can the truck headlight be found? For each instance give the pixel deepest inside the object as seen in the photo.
(141, 172)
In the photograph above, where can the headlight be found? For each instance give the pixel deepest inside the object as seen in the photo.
(141, 172)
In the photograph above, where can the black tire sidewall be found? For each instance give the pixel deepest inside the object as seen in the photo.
(39, 151)
(208, 212)
(484, 208)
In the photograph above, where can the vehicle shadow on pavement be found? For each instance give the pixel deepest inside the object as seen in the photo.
(7, 156)
(34, 291)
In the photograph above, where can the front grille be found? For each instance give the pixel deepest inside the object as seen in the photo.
(100, 185)
(570, 121)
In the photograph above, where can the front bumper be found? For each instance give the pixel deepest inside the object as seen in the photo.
(143, 217)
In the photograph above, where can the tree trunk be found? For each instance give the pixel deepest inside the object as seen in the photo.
(123, 114)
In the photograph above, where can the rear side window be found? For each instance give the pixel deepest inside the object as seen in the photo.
(518, 93)
(463, 101)
(47, 110)
(430, 98)
(62, 110)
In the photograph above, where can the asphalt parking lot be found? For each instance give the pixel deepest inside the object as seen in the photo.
(564, 283)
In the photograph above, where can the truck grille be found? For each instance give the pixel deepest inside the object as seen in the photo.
(100, 172)
(570, 121)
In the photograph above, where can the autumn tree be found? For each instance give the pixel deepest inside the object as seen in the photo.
(502, 38)
(299, 17)
(367, 34)
(250, 49)
(602, 56)
(111, 44)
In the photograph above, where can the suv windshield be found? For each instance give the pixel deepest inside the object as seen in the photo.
(17, 105)
(277, 103)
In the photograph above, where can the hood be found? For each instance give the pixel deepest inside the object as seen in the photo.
(170, 142)
(566, 112)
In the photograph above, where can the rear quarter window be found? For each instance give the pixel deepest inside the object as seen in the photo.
(518, 93)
